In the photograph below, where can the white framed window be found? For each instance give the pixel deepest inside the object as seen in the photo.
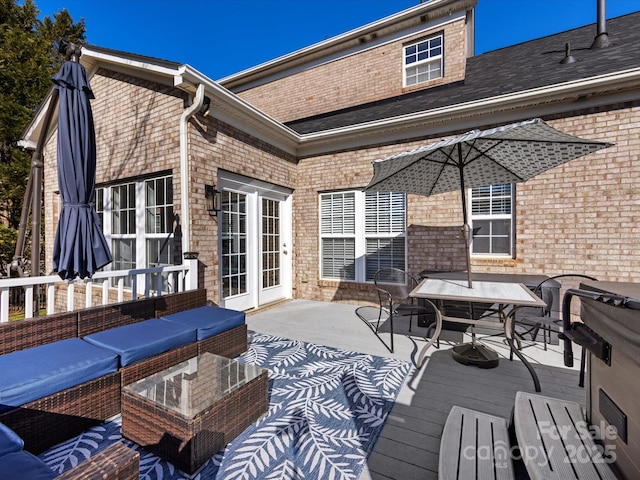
(361, 233)
(492, 220)
(137, 219)
(123, 226)
(423, 60)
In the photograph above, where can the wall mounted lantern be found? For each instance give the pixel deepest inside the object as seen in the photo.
(211, 199)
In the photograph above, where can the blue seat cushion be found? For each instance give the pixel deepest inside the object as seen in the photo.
(25, 465)
(36, 372)
(208, 320)
(143, 339)
(9, 440)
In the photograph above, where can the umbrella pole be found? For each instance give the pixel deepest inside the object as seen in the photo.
(466, 228)
(467, 244)
(33, 199)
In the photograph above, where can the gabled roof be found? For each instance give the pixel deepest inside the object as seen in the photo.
(506, 85)
(524, 67)
(411, 19)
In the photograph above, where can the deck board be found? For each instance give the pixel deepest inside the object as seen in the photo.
(408, 446)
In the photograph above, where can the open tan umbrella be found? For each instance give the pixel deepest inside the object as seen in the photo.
(508, 154)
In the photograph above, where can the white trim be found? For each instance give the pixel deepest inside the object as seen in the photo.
(254, 190)
(511, 217)
(359, 236)
(373, 42)
(418, 63)
(566, 96)
(509, 107)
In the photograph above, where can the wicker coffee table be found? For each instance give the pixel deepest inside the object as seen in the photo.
(189, 412)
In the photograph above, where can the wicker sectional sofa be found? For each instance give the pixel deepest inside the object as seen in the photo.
(122, 343)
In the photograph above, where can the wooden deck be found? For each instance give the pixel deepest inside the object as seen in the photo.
(409, 444)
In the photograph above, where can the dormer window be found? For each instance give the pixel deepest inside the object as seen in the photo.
(423, 61)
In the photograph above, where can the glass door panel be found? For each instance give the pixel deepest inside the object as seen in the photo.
(234, 244)
(270, 243)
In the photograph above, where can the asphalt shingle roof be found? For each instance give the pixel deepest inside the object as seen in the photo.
(520, 67)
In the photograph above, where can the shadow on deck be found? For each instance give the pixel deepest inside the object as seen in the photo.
(410, 440)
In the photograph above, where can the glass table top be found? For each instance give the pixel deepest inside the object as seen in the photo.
(196, 384)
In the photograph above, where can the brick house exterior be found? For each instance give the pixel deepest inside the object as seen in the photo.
(312, 122)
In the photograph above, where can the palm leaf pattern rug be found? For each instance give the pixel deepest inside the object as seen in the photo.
(326, 410)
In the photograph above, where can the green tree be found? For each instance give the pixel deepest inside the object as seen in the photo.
(28, 60)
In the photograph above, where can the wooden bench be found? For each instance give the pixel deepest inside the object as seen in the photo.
(474, 445)
(556, 442)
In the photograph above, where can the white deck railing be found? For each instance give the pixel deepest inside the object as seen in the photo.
(146, 281)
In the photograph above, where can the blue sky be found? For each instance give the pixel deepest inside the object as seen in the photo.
(222, 37)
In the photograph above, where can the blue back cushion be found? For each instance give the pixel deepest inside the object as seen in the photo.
(24, 465)
(34, 373)
(208, 320)
(9, 440)
(143, 339)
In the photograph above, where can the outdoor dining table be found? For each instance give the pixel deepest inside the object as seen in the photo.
(501, 293)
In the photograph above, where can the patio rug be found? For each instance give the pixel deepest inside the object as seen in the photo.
(326, 410)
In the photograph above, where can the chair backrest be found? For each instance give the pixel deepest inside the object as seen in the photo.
(552, 290)
(397, 283)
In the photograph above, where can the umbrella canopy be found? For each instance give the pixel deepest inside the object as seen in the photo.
(80, 247)
(508, 154)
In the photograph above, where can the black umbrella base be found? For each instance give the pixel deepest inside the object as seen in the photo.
(475, 354)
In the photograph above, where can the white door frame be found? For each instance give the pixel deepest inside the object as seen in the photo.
(255, 190)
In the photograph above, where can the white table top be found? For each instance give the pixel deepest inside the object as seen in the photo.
(482, 292)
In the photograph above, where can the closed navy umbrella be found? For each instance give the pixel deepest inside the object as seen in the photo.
(80, 247)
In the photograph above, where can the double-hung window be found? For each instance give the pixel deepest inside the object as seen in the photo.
(137, 218)
(492, 220)
(361, 233)
(423, 60)
(123, 226)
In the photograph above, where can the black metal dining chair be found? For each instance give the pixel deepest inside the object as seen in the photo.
(548, 319)
(393, 286)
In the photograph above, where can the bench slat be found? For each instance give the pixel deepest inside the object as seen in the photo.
(474, 445)
(555, 441)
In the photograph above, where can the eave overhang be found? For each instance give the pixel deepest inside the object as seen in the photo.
(539, 102)
(569, 96)
(408, 20)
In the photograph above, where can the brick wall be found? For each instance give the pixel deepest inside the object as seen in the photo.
(352, 80)
(581, 217)
(137, 133)
(217, 146)
(584, 216)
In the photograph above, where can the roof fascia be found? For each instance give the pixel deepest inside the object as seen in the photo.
(373, 42)
(91, 60)
(369, 34)
(585, 93)
(225, 105)
(123, 63)
(231, 109)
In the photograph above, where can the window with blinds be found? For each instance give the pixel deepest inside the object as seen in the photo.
(361, 233)
(492, 219)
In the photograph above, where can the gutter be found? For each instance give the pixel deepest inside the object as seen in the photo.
(233, 110)
(185, 221)
(589, 92)
(416, 15)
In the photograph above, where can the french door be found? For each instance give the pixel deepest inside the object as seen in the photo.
(255, 243)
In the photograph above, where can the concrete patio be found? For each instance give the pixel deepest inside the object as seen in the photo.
(409, 444)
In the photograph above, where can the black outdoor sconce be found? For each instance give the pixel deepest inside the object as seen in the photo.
(211, 200)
